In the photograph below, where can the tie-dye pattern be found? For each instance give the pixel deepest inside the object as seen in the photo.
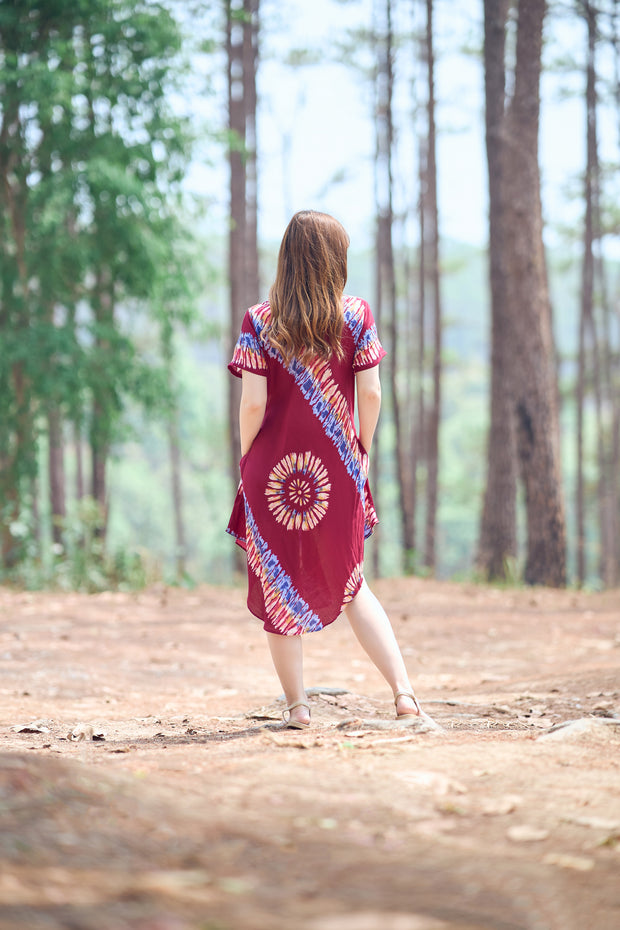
(304, 506)
(316, 383)
(298, 491)
(368, 350)
(287, 610)
(248, 354)
(353, 584)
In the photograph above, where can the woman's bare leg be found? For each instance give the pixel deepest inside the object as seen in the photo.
(373, 629)
(287, 655)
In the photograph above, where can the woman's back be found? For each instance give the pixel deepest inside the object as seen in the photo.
(304, 506)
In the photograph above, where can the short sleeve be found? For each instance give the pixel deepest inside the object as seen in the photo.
(368, 349)
(249, 354)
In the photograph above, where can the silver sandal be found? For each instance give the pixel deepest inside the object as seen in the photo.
(411, 695)
(295, 724)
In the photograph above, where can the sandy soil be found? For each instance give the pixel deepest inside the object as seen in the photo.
(196, 810)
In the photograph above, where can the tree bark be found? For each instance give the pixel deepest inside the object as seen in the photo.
(418, 441)
(434, 417)
(586, 315)
(497, 545)
(79, 462)
(531, 338)
(174, 452)
(242, 25)
(615, 41)
(237, 236)
(614, 472)
(250, 67)
(614, 368)
(605, 355)
(103, 402)
(380, 183)
(386, 266)
(56, 473)
(375, 458)
(18, 456)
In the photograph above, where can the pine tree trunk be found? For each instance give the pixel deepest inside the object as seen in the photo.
(434, 418)
(18, 457)
(242, 55)
(382, 229)
(580, 549)
(385, 264)
(614, 454)
(615, 42)
(237, 235)
(103, 403)
(602, 328)
(497, 544)
(375, 472)
(408, 387)
(99, 457)
(250, 66)
(174, 452)
(531, 338)
(375, 458)
(418, 442)
(586, 317)
(79, 462)
(56, 473)
(614, 492)
(36, 516)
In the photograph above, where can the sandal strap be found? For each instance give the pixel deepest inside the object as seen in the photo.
(286, 713)
(298, 704)
(408, 694)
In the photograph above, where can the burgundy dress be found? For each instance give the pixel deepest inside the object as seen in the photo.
(304, 507)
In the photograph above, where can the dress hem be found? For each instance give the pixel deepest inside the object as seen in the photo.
(325, 623)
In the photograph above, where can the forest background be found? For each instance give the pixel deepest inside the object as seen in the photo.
(120, 149)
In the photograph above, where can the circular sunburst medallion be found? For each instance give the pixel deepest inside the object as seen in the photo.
(298, 491)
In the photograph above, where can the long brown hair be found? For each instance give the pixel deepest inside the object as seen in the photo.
(306, 296)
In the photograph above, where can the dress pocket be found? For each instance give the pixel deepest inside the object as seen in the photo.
(363, 457)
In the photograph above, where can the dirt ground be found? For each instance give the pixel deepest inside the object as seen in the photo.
(194, 809)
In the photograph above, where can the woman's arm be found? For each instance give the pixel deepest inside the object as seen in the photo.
(252, 408)
(368, 389)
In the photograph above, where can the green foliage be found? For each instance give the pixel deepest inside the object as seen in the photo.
(81, 562)
(140, 477)
(91, 158)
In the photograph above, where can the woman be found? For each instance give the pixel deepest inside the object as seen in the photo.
(304, 506)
